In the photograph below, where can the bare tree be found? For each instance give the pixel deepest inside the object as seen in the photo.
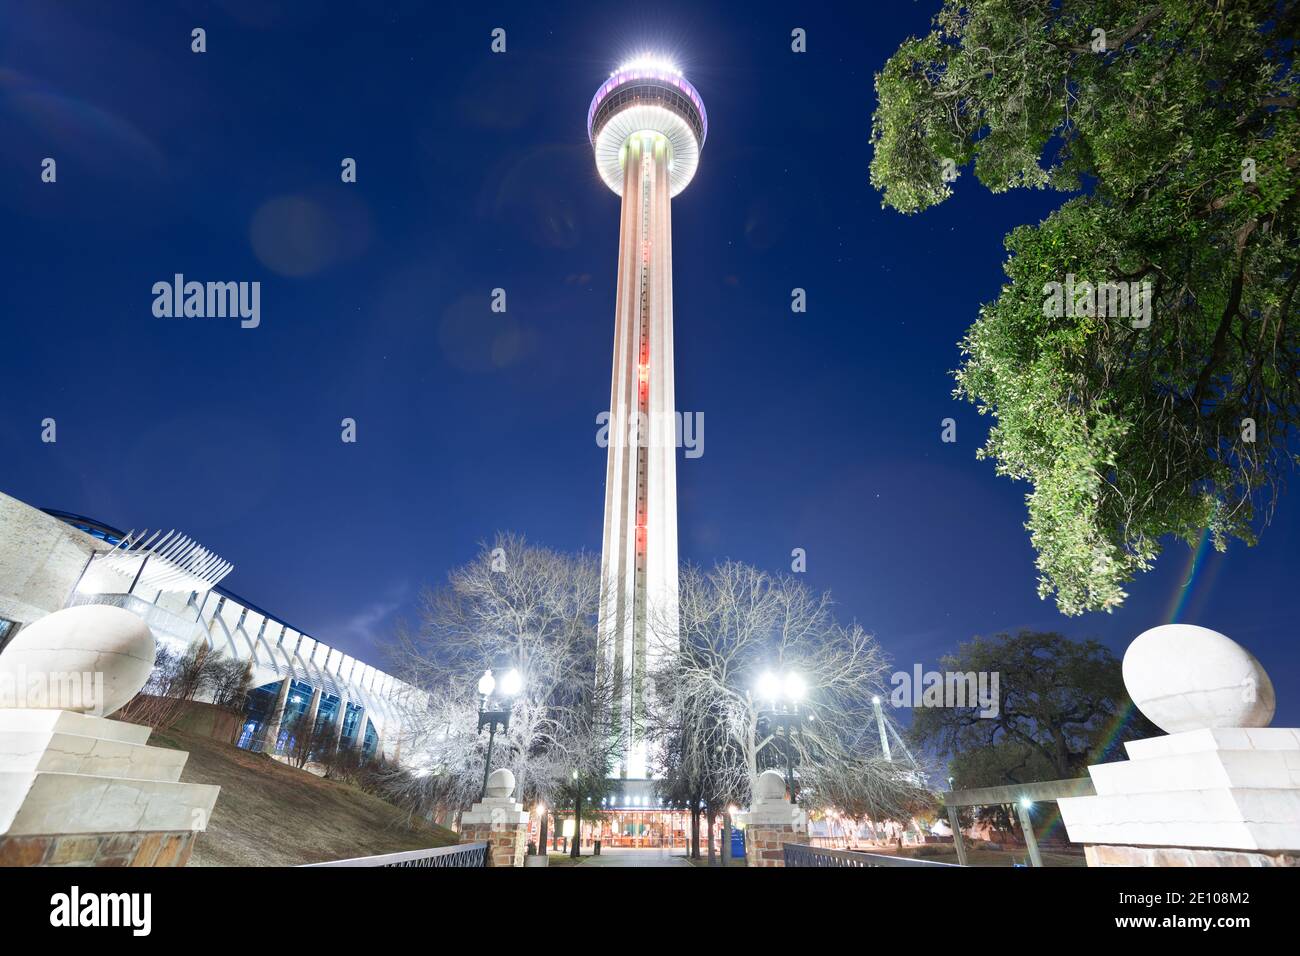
(227, 681)
(310, 740)
(513, 606)
(734, 623)
(180, 677)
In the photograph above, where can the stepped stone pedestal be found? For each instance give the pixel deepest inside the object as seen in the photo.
(772, 822)
(83, 790)
(498, 821)
(1209, 797)
(1209, 793)
(77, 789)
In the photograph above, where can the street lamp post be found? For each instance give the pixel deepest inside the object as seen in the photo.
(498, 718)
(783, 695)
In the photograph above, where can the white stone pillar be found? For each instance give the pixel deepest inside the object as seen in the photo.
(772, 822)
(498, 821)
(338, 723)
(359, 738)
(312, 709)
(78, 789)
(276, 717)
(1222, 789)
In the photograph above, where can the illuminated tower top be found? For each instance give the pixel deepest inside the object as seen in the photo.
(647, 95)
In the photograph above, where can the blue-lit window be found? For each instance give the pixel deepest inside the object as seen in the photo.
(327, 712)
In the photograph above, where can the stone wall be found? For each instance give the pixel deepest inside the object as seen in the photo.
(98, 849)
(764, 843)
(505, 841)
(40, 560)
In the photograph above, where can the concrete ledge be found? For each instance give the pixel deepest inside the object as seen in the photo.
(1215, 738)
(1217, 789)
(1108, 855)
(68, 722)
(1217, 819)
(44, 803)
(38, 750)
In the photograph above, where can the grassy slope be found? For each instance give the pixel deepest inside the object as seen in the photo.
(269, 814)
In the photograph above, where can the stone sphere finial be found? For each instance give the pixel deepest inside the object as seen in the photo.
(770, 786)
(92, 658)
(501, 783)
(1185, 677)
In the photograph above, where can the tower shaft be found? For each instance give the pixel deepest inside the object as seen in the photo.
(638, 615)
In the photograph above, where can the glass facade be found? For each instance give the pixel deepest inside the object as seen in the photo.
(260, 711)
(8, 630)
(296, 707)
(350, 724)
(654, 85)
(327, 713)
(257, 713)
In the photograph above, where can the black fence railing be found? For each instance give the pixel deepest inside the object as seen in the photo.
(800, 854)
(464, 855)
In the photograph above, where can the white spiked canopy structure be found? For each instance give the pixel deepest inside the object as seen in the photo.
(168, 561)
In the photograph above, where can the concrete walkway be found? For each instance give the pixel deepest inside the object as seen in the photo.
(632, 856)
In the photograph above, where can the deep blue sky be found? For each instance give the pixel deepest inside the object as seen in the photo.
(821, 430)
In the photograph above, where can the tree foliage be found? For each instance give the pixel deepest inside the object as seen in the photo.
(1180, 127)
(1063, 706)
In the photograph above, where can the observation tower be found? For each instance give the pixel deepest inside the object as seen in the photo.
(647, 126)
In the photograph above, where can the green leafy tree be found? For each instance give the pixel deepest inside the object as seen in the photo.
(1176, 124)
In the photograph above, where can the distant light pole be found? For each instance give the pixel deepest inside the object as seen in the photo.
(1027, 825)
(782, 695)
(498, 719)
(880, 723)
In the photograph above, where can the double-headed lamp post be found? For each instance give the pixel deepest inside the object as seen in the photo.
(495, 719)
(782, 696)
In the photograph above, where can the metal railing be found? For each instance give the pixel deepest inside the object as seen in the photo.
(801, 854)
(463, 855)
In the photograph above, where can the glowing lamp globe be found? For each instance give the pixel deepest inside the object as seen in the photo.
(512, 683)
(795, 688)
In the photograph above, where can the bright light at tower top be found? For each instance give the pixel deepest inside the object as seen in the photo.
(649, 61)
(647, 94)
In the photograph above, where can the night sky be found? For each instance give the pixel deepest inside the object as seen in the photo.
(822, 430)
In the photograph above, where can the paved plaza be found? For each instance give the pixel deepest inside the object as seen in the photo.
(638, 856)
